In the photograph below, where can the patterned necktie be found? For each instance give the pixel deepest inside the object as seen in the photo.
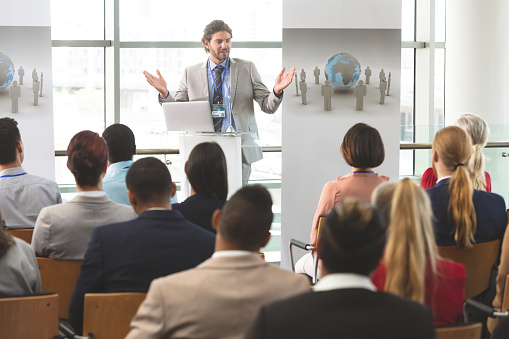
(218, 97)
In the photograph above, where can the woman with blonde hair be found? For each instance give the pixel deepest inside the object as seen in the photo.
(411, 266)
(464, 216)
(478, 131)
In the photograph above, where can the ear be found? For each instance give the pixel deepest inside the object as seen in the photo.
(185, 168)
(68, 166)
(265, 240)
(132, 198)
(105, 168)
(173, 189)
(19, 147)
(134, 150)
(206, 44)
(215, 219)
(434, 156)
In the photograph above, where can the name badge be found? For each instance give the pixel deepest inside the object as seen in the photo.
(218, 111)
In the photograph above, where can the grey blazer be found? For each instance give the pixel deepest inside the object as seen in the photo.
(218, 299)
(246, 85)
(63, 231)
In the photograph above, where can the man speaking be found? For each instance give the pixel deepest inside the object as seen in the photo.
(227, 82)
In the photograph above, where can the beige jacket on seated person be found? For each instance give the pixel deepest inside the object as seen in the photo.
(63, 231)
(218, 299)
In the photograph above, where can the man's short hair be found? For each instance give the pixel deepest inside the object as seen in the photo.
(214, 27)
(362, 147)
(87, 155)
(247, 217)
(9, 138)
(352, 238)
(150, 180)
(121, 143)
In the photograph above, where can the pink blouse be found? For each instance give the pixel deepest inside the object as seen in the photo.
(352, 185)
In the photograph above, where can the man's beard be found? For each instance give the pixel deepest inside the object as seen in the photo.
(220, 56)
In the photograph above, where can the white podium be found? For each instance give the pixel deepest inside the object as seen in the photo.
(231, 145)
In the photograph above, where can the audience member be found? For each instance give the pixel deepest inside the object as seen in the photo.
(20, 272)
(478, 131)
(63, 231)
(411, 266)
(127, 256)
(344, 303)
(207, 174)
(363, 149)
(220, 298)
(22, 195)
(503, 271)
(463, 215)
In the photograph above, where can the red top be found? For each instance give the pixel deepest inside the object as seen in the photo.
(445, 292)
(429, 180)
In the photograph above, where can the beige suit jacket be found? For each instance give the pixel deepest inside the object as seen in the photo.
(218, 299)
(63, 231)
(245, 86)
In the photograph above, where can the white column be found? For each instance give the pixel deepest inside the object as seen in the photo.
(477, 52)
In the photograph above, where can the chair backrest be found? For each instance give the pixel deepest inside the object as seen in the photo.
(59, 276)
(108, 315)
(478, 261)
(468, 331)
(321, 221)
(29, 317)
(22, 233)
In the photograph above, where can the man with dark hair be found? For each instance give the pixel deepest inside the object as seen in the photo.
(220, 298)
(230, 83)
(121, 149)
(22, 195)
(344, 303)
(127, 256)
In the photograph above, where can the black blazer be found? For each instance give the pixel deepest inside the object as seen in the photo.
(198, 209)
(489, 209)
(352, 313)
(127, 256)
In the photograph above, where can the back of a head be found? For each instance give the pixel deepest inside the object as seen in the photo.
(382, 199)
(362, 147)
(9, 138)
(150, 180)
(453, 147)
(121, 143)
(478, 131)
(410, 241)
(352, 238)
(247, 217)
(87, 155)
(206, 170)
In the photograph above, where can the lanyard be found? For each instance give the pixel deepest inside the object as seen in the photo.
(13, 175)
(222, 76)
(363, 172)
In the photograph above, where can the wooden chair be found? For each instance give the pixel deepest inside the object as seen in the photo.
(478, 261)
(22, 233)
(108, 315)
(59, 276)
(29, 317)
(467, 331)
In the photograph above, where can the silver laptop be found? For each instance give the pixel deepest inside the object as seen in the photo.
(191, 116)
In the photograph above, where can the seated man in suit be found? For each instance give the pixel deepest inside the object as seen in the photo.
(22, 195)
(127, 256)
(344, 303)
(220, 298)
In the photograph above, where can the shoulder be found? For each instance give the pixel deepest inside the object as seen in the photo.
(195, 66)
(242, 62)
(491, 199)
(24, 247)
(287, 278)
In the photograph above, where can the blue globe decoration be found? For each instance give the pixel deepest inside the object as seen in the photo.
(343, 70)
(6, 70)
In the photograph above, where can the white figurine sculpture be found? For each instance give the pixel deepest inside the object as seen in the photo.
(34, 76)
(367, 72)
(36, 91)
(304, 90)
(316, 73)
(381, 76)
(360, 92)
(302, 75)
(383, 87)
(296, 85)
(14, 93)
(327, 91)
(21, 73)
(389, 83)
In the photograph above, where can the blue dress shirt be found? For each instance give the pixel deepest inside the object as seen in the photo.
(225, 92)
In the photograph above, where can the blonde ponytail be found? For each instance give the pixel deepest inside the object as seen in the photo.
(411, 242)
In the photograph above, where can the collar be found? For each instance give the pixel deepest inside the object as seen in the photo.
(118, 166)
(214, 65)
(221, 254)
(344, 280)
(443, 178)
(12, 171)
(157, 209)
(93, 194)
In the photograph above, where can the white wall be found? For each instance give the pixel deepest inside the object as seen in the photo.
(312, 32)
